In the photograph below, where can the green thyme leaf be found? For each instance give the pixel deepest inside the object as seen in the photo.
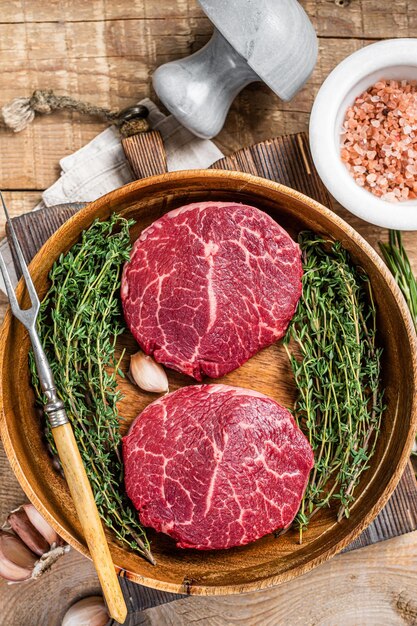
(397, 260)
(331, 344)
(79, 322)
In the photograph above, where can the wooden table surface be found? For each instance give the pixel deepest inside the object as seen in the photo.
(105, 51)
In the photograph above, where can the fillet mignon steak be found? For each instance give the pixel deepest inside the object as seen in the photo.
(215, 466)
(210, 284)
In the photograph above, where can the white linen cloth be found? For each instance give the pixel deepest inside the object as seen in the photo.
(101, 166)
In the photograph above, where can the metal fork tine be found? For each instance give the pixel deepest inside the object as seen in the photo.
(23, 267)
(9, 287)
(65, 441)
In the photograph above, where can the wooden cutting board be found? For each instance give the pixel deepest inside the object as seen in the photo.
(286, 160)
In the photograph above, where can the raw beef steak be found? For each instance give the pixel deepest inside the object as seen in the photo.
(216, 466)
(210, 284)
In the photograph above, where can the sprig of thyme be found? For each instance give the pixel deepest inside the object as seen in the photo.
(396, 258)
(79, 322)
(331, 343)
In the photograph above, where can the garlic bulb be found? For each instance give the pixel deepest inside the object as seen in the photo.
(147, 373)
(33, 548)
(16, 560)
(23, 528)
(87, 612)
(42, 525)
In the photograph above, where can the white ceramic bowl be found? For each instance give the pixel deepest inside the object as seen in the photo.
(390, 59)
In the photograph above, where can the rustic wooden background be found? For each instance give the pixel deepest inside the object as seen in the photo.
(105, 51)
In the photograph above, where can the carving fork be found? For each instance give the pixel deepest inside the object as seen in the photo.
(66, 445)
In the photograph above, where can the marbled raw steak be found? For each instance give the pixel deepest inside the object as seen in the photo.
(215, 466)
(210, 284)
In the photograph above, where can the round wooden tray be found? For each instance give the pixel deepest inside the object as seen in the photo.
(269, 560)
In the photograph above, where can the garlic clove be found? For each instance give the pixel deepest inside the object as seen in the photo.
(12, 572)
(23, 528)
(147, 373)
(87, 612)
(42, 525)
(14, 549)
(16, 560)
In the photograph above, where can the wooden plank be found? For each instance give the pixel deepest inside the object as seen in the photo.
(374, 586)
(18, 203)
(34, 229)
(286, 159)
(108, 64)
(331, 20)
(70, 579)
(365, 18)
(372, 582)
(389, 19)
(17, 11)
(81, 40)
(373, 234)
(146, 154)
(398, 517)
(400, 514)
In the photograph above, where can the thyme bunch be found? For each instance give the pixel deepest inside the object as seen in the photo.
(78, 323)
(331, 344)
(396, 258)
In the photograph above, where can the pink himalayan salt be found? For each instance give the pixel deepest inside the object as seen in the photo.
(379, 140)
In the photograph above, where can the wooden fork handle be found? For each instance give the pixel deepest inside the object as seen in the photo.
(85, 505)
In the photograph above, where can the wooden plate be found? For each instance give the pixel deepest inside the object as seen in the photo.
(270, 560)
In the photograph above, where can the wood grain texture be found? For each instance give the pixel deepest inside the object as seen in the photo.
(106, 53)
(272, 160)
(30, 604)
(400, 513)
(267, 561)
(371, 592)
(285, 159)
(83, 499)
(110, 64)
(34, 229)
(146, 154)
(399, 516)
(18, 204)
(373, 587)
(72, 577)
(368, 18)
